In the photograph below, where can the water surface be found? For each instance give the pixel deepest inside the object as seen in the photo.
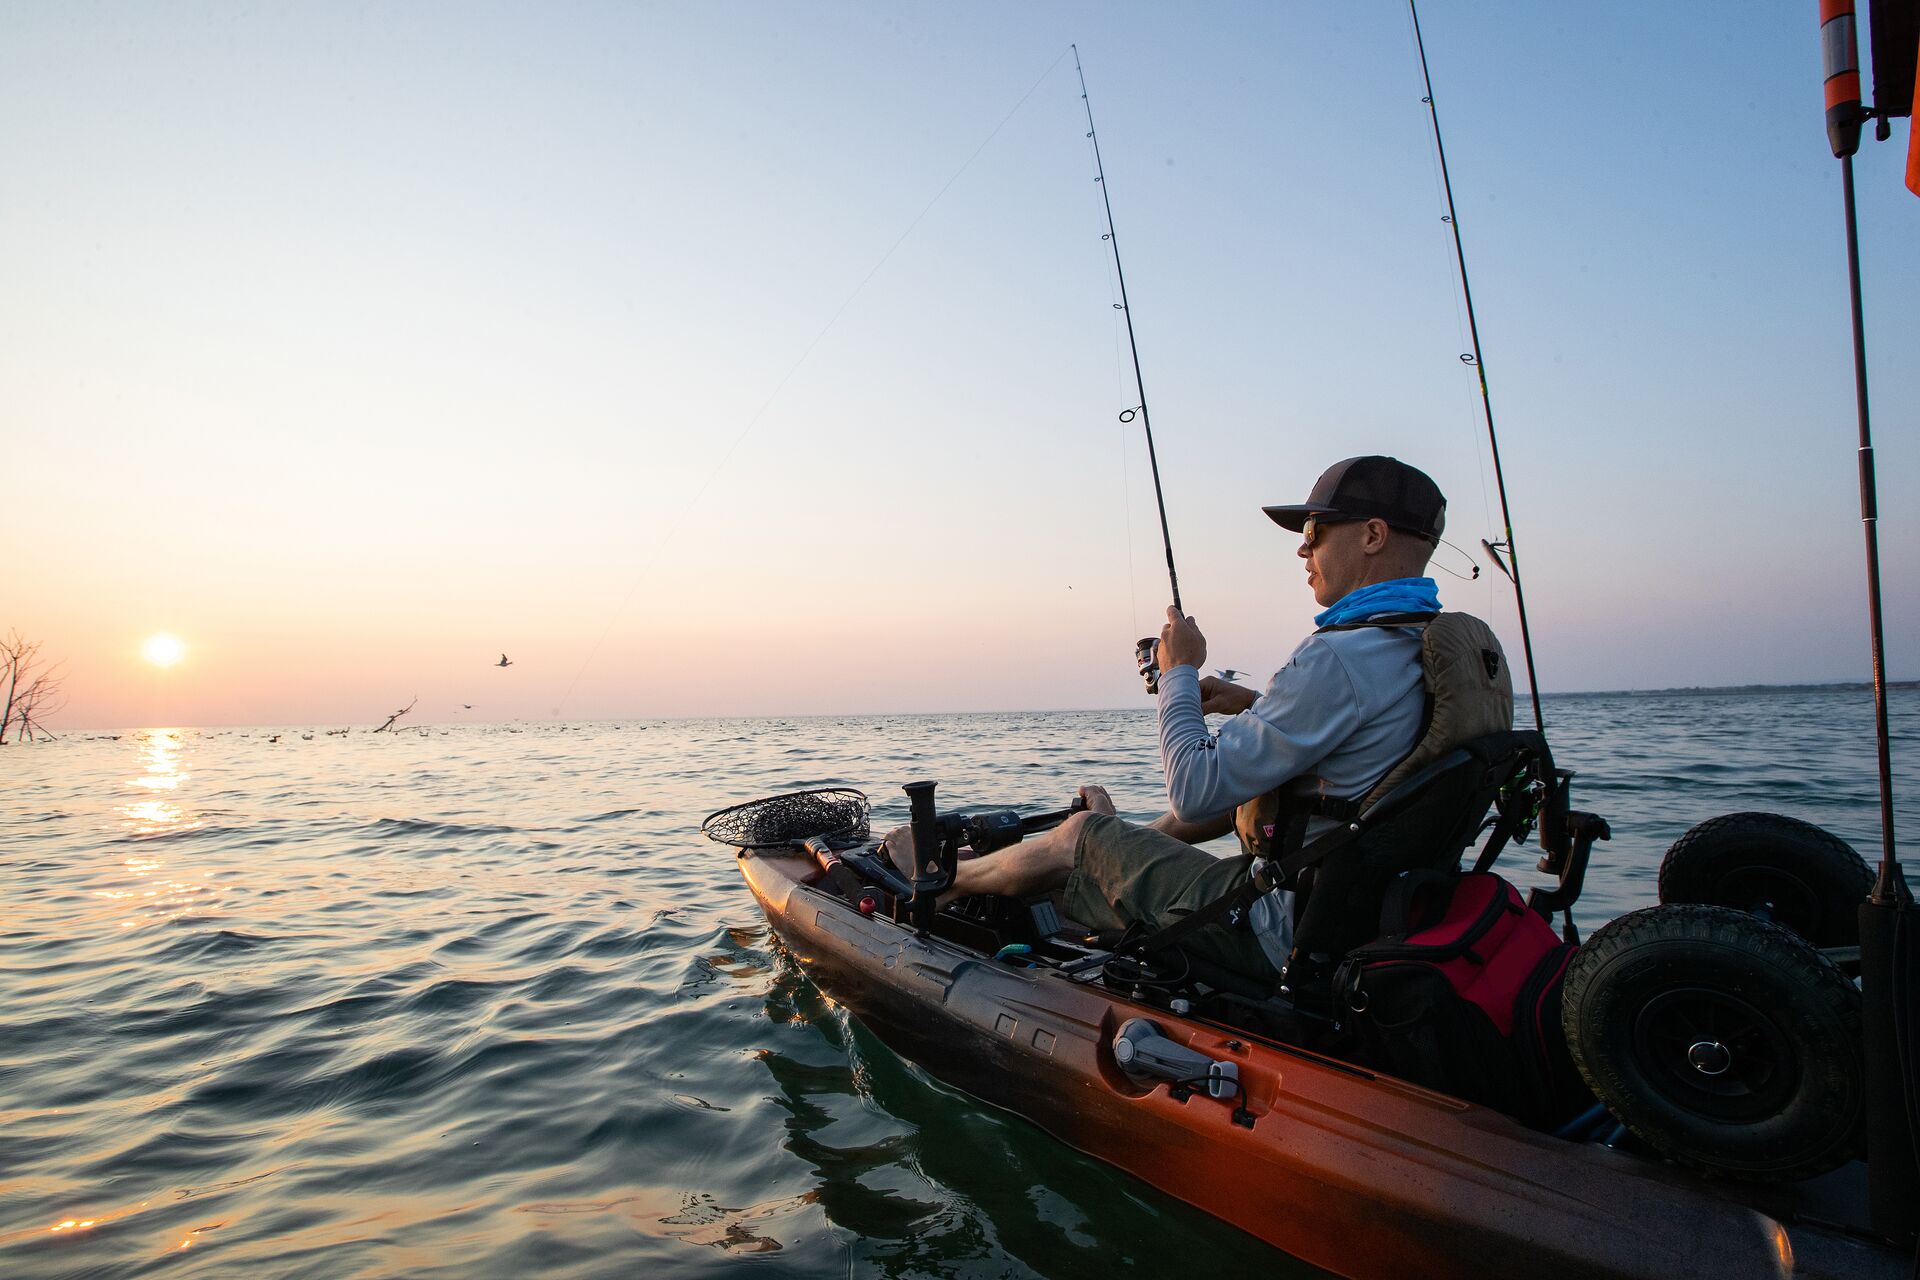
(479, 1000)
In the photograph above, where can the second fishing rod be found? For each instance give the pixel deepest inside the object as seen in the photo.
(1510, 565)
(1144, 650)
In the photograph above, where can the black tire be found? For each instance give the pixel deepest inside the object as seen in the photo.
(1726, 1043)
(1792, 872)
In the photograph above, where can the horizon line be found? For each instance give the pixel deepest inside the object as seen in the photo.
(1673, 690)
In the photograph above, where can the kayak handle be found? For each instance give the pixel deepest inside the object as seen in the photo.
(1144, 1054)
(838, 871)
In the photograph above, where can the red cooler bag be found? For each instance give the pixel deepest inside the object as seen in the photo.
(1461, 993)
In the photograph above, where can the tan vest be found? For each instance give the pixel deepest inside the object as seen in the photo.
(1469, 693)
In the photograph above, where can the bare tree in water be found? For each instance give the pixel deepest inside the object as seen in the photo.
(30, 687)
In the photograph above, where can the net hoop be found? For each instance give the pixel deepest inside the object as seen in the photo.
(834, 814)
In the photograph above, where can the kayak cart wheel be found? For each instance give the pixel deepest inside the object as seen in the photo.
(1788, 871)
(1726, 1043)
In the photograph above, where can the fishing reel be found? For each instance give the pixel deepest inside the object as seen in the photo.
(1146, 656)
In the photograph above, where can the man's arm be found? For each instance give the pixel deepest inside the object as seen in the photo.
(1309, 708)
(1223, 698)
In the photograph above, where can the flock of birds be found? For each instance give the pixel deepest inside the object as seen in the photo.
(1231, 675)
(505, 661)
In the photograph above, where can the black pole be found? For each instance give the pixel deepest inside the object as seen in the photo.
(1888, 939)
(1480, 370)
(927, 848)
(1870, 521)
(1166, 539)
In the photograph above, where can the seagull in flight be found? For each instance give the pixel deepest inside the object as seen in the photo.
(1230, 675)
(504, 661)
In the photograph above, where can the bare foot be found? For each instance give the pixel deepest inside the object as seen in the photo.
(898, 846)
(1098, 801)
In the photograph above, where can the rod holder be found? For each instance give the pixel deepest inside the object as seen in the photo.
(928, 870)
(1887, 949)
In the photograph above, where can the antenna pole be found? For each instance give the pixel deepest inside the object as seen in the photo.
(1870, 523)
(1889, 945)
(1512, 565)
(1888, 954)
(1113, 240)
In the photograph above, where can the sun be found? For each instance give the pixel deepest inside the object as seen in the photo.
(163, 650)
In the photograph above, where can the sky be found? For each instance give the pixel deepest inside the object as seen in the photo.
(762, 359)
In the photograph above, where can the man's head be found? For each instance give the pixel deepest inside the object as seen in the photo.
(1369, 519)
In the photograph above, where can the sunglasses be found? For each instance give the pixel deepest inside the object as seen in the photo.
(1310, 529)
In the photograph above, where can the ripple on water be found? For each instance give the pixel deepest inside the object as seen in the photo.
(418, 826)
(210, 945)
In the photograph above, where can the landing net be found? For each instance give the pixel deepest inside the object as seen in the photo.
(833, 813)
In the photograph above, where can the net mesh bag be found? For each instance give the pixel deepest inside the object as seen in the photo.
(834, 813)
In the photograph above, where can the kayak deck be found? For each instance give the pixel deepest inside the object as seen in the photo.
(1354, 1171)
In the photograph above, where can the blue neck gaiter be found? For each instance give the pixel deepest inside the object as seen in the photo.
(1398, 595)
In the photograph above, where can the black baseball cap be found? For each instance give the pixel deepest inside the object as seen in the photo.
(1368, 488)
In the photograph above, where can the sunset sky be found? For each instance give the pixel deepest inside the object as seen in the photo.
(756, 358)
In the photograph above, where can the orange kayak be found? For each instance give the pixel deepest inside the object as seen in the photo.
(1354, 1171)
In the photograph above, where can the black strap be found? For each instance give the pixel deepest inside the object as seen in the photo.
(1295, 810)
(1257, 884)
(1396, 911)
(1345, 808)
(1502, 833)
(1381, 620)
(1314, 854)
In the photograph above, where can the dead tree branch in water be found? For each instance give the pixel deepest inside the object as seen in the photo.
(31, 689)
(396, 715)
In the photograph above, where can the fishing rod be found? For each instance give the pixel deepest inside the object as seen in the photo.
(1166, 539)
(1511, 564)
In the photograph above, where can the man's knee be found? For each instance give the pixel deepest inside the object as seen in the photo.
(1069, 833)
(1043, 865)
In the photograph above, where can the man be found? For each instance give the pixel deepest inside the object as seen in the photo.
(1346, 708)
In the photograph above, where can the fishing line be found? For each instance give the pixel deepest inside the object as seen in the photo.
(1473, 565)
(1126, 506)
(726, 456)
(1473, 360)
(1125, 438)
(1113, 240)
(1468, 400)
(1126, 454)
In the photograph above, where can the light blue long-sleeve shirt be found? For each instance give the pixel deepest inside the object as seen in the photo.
(1344, 710)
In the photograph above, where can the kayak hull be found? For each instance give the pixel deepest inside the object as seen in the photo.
(1358, 1173)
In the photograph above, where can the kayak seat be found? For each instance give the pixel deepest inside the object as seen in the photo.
(1341, 877)
(1423, 824)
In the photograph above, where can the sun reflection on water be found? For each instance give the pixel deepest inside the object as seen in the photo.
(160, 751)
(157, 808)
